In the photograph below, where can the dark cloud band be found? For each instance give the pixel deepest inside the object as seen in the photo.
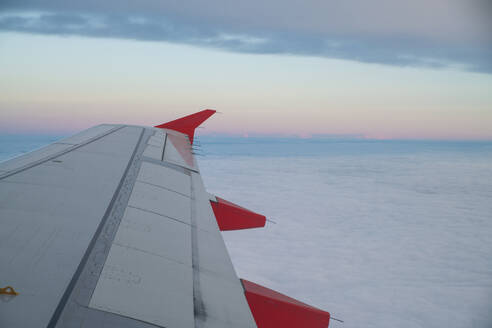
(383, 48)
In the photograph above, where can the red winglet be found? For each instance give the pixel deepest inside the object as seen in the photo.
(230, 216)
(188, 124)
(271, 309)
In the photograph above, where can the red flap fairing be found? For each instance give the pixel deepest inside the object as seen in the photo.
(230, 216)
(271, 309)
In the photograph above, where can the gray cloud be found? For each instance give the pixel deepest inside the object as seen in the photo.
(439, 33)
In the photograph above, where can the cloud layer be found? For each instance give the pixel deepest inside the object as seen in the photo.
(381, 234)
(438, 34)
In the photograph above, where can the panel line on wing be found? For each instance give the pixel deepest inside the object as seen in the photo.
(57, 154)
(137, 249)
(162, 187)
(159, 200)
(199, 310)
(168, 164)
(164, 216)
(71, 286)
(164, 148)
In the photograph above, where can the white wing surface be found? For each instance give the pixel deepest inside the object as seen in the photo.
(113, 227)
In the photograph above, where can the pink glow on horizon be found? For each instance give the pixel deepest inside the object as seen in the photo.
(66, 126)
(259, 95)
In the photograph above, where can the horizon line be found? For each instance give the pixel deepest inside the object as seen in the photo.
(278, 136)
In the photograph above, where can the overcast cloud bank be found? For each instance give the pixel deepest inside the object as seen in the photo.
(382, 234)
(440, 33)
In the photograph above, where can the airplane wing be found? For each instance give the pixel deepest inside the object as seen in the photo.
(113, 227)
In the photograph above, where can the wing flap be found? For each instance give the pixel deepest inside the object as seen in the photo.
(219, 298)
(146, 287)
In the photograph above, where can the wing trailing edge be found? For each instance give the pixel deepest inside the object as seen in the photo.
(188, 124)
(269, 308)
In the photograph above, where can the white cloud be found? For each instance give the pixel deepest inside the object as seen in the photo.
(382, 234)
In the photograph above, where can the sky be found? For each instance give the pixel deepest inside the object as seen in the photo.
(383, 70)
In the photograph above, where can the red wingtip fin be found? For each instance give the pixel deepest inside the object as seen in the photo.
(188, 124)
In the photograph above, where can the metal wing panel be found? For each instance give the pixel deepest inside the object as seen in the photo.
(90, 133)
(166, 178)
(52, 210)
(35, 156)
(146, 287)
(57, 148)
(118, 236)
(155, 145)
(148, 274)
(154, 234)
(217, 296)
(161, 201)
